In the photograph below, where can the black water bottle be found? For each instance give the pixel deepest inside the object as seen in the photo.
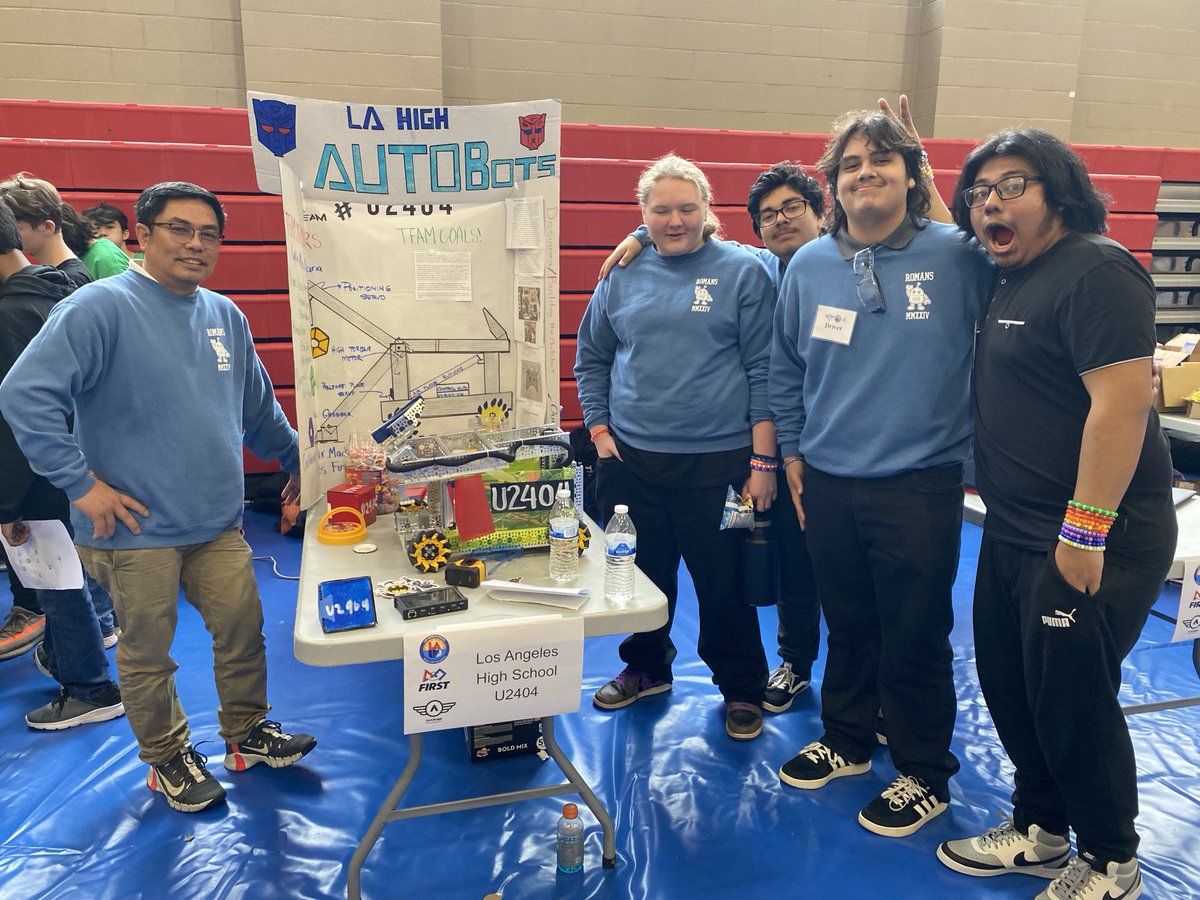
(758, 564)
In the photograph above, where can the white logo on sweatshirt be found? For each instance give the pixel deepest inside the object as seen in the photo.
(702, 300)
(222, 354)
(918, 300)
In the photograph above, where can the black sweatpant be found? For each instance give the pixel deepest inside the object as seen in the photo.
(676, 501)
(799, 606)
(885, 555)
(1049, 660)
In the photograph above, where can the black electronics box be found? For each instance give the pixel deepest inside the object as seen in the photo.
(504, 739)
(431, 603)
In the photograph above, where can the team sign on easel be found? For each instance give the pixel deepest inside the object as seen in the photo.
(423, 261)
(1187, 621)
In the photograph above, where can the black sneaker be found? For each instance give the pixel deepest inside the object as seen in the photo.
(41, 661)
(628, 687)
(901, 809)
(21, 631)
(743, 721)
(67, 711)
(816, 765)
(186, 782)
(782, 688)
(880, 731)
(268, 743)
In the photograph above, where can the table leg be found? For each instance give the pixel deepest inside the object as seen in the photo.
(415, 747)
(609, 856)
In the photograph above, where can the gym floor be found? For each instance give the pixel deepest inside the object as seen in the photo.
(697, 814)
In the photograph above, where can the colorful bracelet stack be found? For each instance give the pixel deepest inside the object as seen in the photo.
(760, 463)
(925, 168)
(1086, 527)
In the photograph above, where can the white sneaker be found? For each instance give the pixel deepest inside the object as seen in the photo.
(1080, 881)
(1004, 849)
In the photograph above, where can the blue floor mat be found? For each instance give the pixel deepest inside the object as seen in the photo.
(697, 814)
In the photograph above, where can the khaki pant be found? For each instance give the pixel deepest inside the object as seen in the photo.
(218, 580)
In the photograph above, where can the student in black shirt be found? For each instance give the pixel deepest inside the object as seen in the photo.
(1080, 530)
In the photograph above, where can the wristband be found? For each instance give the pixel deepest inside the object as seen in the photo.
(788, 460)
(597, 431)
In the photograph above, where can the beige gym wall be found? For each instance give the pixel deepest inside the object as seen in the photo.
(1098, 71)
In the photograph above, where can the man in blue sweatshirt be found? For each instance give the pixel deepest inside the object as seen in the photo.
(869, 383)
(164, 383)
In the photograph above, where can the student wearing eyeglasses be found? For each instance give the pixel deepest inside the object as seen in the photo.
(869, 385)
(165, 385)
(1080, 530)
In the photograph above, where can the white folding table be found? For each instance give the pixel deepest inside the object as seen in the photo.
(321, 562)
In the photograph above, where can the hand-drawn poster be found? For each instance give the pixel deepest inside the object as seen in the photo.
(408, 229)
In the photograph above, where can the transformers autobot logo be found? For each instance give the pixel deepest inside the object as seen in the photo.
(276, 124)
(533, 130)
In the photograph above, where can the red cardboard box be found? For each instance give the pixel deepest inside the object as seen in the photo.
(356, 496)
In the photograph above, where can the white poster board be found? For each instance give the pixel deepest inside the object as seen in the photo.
(422, 261)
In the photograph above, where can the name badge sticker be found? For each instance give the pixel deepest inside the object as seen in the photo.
(833, 324)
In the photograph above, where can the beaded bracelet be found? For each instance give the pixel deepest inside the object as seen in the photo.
(761, 463)
(1092, 509)
(925, 168)
(598, 430)
(788, 460)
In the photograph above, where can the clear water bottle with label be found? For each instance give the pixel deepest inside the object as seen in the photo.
(564, 538)
(570, 840)
(620, 551)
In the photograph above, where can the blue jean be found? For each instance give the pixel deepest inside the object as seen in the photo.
(73, 649)
(102, 604)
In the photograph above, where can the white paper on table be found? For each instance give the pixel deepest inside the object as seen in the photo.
(562, 597)
(1187, 619)
(47, 561)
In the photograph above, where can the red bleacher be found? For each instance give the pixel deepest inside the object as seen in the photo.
(109, 152)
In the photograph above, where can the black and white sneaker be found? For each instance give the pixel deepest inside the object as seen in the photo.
(185, 781)
(1004, 849)
(906, 805)
(1085, 878)
(782, 688)
(66, 711)
(816, 765)
(268, 743)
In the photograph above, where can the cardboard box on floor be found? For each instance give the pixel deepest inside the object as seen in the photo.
(1180, 360)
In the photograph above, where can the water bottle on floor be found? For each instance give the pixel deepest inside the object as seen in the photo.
(570, 840)
(620, 551)
(564, 538)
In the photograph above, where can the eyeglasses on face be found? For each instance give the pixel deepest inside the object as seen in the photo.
(793, 209)
(183, 232)
(1009, 188)
(870, 294)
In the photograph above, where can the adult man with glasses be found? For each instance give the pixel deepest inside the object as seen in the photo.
(1080, 531)
(164, 384)
(869, 386)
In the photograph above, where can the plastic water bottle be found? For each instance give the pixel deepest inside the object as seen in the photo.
(620, 551)
(564, 538)
(570, 840)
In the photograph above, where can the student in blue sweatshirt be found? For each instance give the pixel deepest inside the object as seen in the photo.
(164, 384)
(869, 384)
(672, 369)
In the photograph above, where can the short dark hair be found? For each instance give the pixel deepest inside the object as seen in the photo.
(76, 230)
(151, 201)
(106, 214)
(1066, 185)
(787, 174)
(32, 200)
(883, 133)
(10, 236)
